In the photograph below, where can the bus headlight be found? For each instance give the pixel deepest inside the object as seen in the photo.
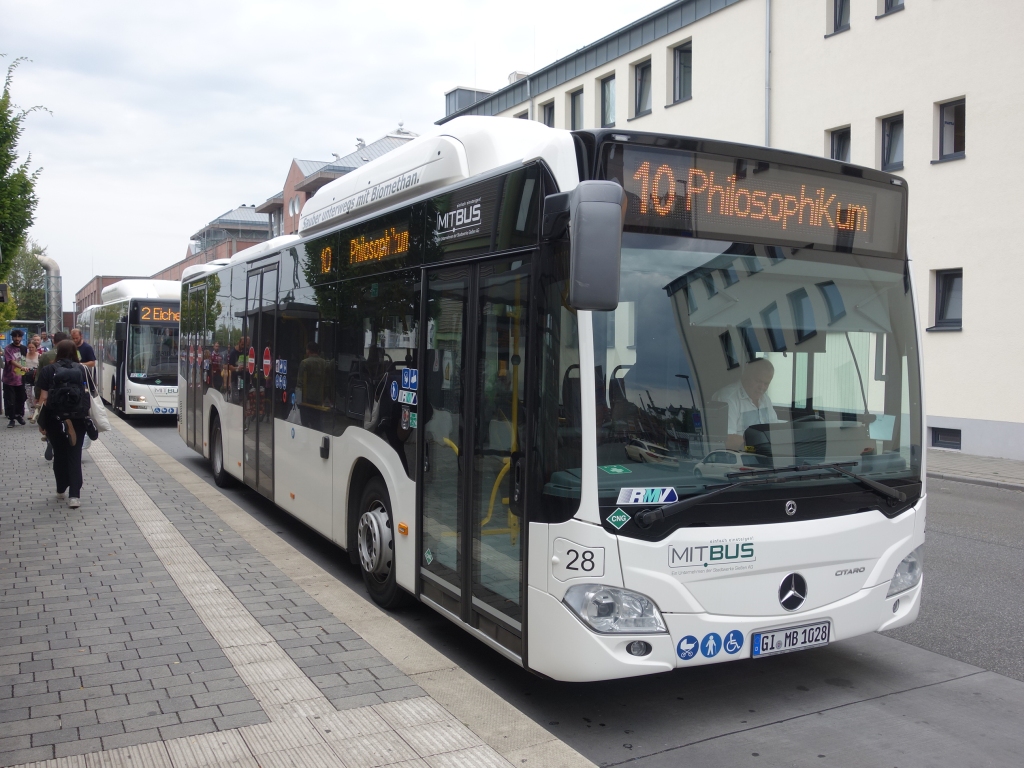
(908, 572)
(612, 609)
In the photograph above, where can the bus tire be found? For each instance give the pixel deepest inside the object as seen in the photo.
(220, 474)
(375, 544)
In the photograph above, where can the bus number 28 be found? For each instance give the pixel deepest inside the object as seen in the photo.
(572, 561)
(577, 563)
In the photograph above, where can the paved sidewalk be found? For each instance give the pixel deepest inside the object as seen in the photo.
(980, 470)
(144, 630)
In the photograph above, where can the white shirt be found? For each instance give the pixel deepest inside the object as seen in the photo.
(742, 411)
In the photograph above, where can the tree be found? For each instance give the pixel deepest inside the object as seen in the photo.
(27, 280)
(17, 185)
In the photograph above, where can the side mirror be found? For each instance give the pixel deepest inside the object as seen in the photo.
(595, 212)
(121, 332)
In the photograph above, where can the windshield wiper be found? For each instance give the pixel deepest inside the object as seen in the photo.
(880, 488)
(649, 517)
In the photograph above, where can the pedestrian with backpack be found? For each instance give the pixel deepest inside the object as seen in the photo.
(64, 418)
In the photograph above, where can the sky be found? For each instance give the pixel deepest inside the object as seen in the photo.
(163, 116)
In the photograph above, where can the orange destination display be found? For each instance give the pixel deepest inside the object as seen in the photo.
(378, 246)
(159, 313)
(728, 198)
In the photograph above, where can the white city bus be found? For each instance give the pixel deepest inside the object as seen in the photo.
(134, 333)
(614, 403)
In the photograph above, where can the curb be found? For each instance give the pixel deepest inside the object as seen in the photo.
(1001, 484)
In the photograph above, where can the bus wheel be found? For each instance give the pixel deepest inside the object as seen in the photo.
(375, 544)
(220, 475)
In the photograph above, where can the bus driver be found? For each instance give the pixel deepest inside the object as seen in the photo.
(748, 402)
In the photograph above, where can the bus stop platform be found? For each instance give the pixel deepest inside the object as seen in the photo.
(159, 625)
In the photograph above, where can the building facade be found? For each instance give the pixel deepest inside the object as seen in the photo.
(928, 90)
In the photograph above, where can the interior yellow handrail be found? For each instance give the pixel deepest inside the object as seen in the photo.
(451, 445)
(494, 491)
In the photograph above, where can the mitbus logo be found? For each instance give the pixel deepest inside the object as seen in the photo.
(712, 554)
(464, 215)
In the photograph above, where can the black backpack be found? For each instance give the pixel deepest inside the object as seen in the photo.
(67, 397)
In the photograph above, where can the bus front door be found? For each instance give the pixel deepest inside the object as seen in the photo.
(474, 390)
(258, 394)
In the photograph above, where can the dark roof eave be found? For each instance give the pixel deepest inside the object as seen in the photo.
(271, 204)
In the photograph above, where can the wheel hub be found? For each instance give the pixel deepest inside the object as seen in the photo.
(375, 541)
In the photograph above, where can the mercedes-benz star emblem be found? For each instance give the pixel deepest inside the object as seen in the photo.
(790, 508)
(792, 591)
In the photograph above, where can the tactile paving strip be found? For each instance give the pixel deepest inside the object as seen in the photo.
(305, 730)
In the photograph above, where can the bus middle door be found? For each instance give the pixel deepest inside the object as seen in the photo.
(258, 375)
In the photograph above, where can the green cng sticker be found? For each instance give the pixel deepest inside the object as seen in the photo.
(618, 518)
(615, 469)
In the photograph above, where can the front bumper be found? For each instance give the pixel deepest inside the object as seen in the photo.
(561, 647)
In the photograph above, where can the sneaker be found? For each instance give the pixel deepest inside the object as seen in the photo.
(74, 502)
(21, 420)
(91, 431)
(11, 425)
(48, 455)
(61, 494)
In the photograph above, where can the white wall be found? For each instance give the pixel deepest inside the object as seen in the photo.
(962, 213)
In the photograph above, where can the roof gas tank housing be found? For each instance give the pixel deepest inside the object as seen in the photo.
(460, 149)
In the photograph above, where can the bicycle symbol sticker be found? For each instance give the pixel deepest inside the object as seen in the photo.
(733, 642)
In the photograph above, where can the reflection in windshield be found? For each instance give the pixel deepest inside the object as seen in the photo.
(153, 352)
(724, 358)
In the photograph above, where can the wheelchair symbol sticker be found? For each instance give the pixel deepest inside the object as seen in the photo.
(394, 390)
(733, 642)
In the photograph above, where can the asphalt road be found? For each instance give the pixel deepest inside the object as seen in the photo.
(944, 691)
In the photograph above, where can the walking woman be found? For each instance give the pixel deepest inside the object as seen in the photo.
(64, 418)
(31, 366)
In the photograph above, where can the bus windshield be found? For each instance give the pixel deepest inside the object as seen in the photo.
(153, 353)
(726, 358)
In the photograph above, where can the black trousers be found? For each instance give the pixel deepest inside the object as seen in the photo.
(67, 458)
(14, 400)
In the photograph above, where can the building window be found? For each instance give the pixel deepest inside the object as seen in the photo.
(946, 438)
(803, 315)
(892, 143)
(731, 361)
(841, 15)
(576, 110)
(523, 115)
(750, 343)
(643, 89)
(893, 5)
(547, 112)
(772, 321)
(833, 301)
(608, 102)
(952, 118)
(949, 298)
(683, 73)
(841, 145)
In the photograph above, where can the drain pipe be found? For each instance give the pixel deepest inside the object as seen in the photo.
(54, 300)
(767, 73)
